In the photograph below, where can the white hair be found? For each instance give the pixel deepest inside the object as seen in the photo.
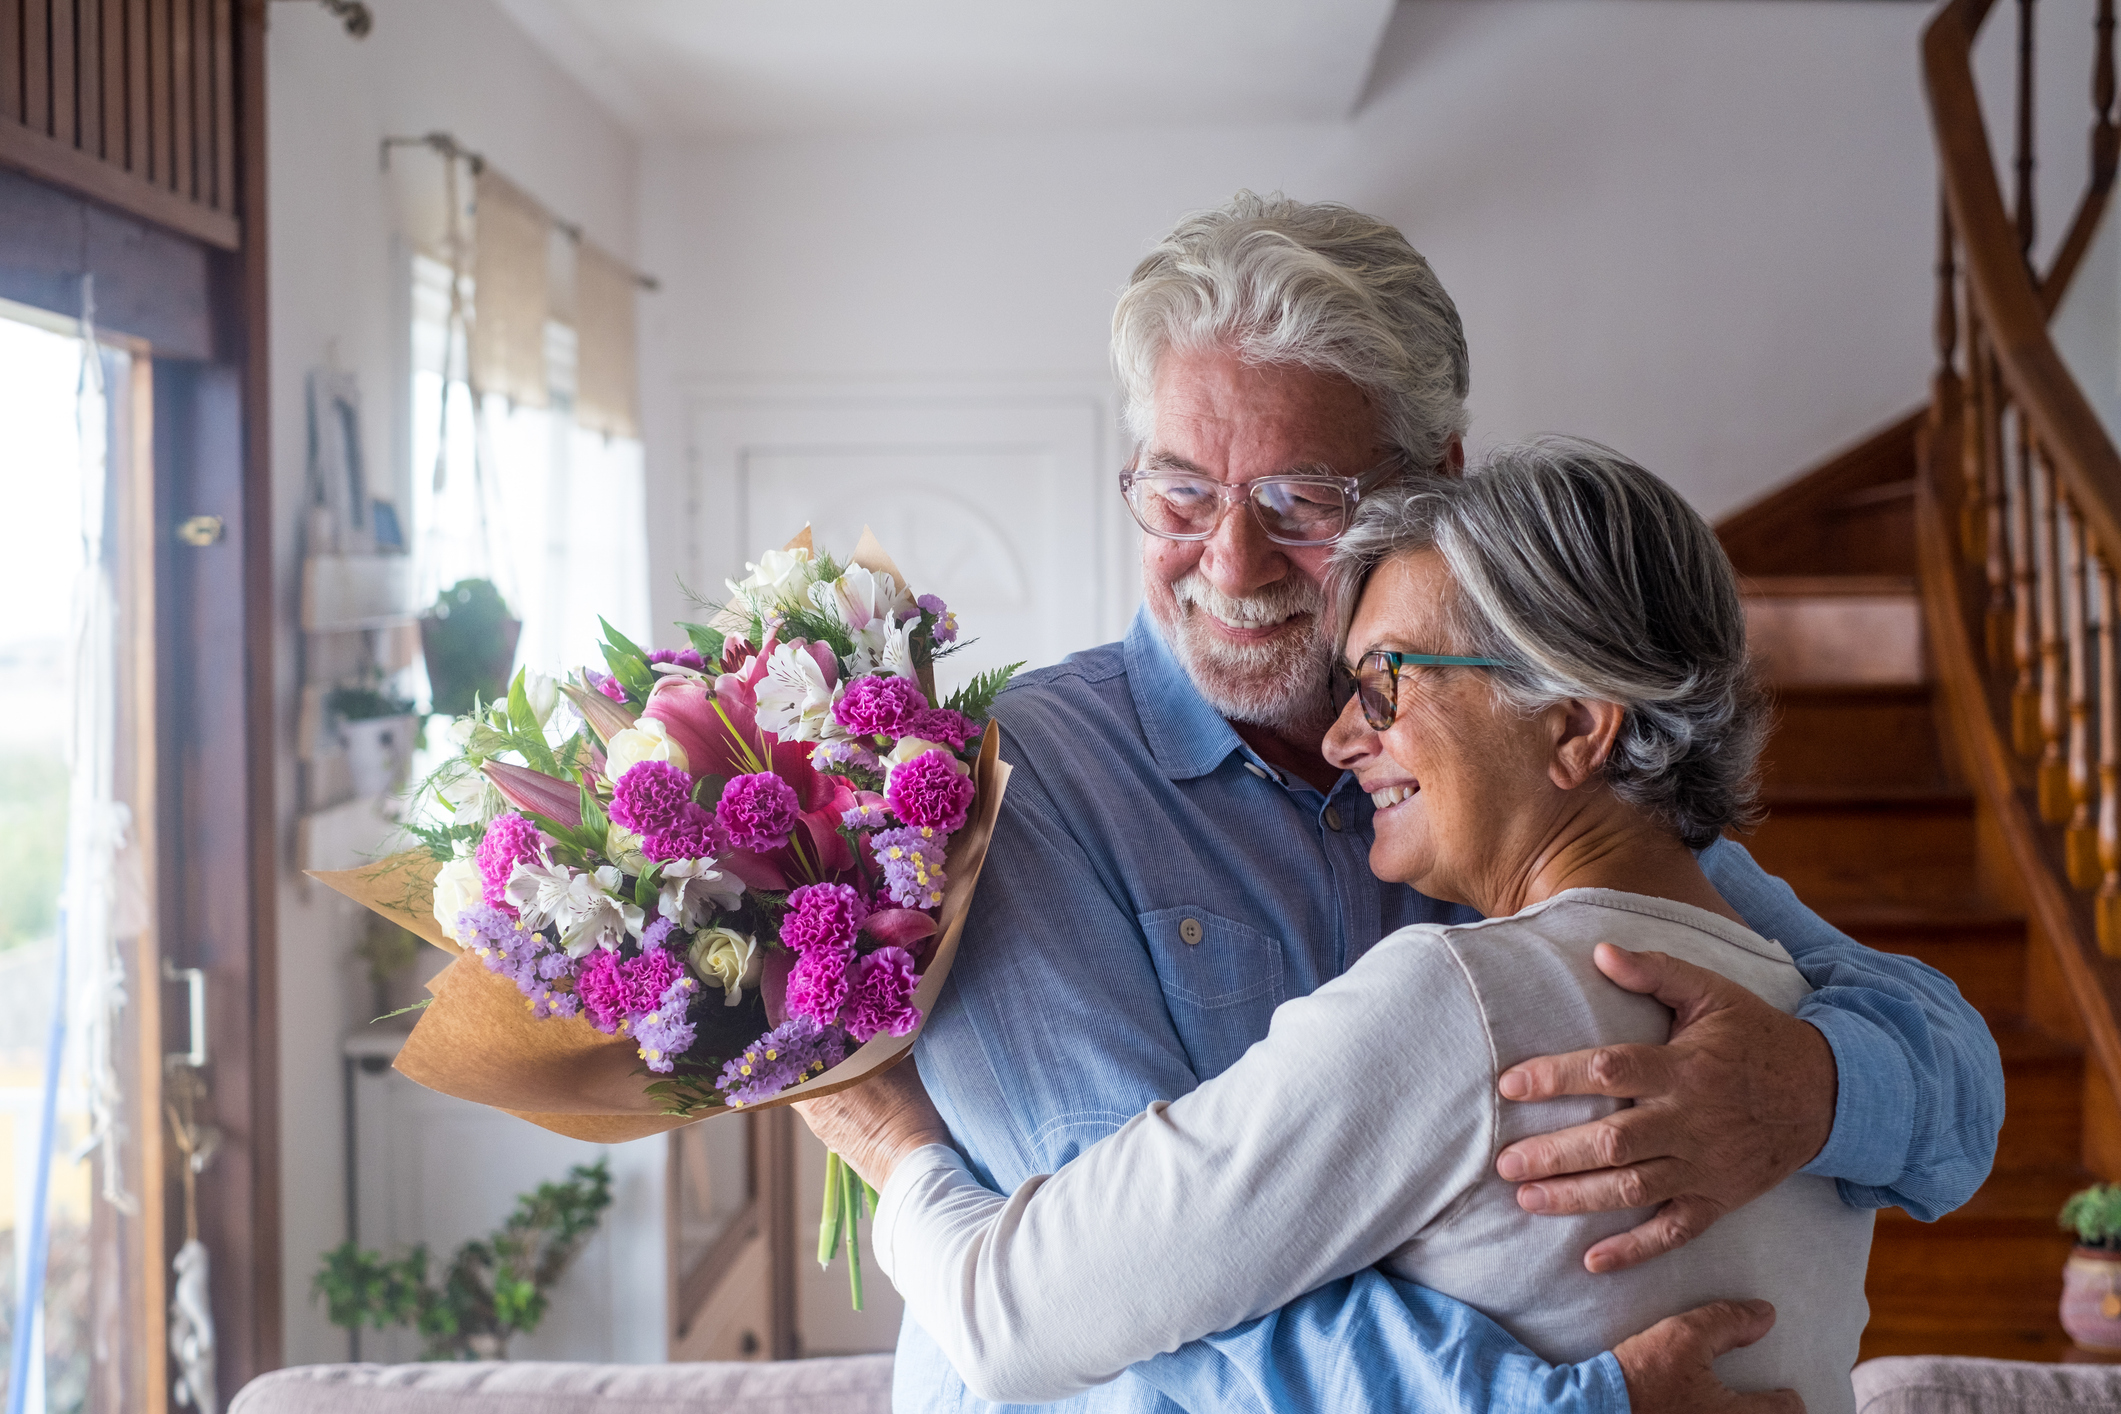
(1594, 580)
(1311, 285)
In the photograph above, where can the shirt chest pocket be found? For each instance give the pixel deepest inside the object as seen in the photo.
(1221, 982)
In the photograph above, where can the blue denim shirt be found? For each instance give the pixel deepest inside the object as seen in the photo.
(1076, 1000)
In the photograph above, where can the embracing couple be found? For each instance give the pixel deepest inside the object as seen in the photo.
(1335, 917)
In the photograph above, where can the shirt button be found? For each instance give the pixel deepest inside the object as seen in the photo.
(1190, 931)
(1255, 770)
(1333, 817)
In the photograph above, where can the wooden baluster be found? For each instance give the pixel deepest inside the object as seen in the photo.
(2025, 690)
(2052, 780)
(2106, 137)
(2108, 910)
(1947, 417)
(2080, 843)
(2024, 193)
(1983, 450)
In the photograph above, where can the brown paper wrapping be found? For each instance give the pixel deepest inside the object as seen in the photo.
(478, 1041)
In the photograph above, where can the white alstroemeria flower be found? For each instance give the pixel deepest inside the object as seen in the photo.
(542, 691)
(795, 702)
(459, 885)
(730, 960)
(910, 747)
(884, 645)
(694, 890)
(861, 596)
(472, 798)
(779, 577)
(646, 740)
(587, 908)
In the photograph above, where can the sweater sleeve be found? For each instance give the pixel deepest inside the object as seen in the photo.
(1329, 1145)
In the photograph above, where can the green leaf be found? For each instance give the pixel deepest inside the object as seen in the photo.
(706, 641)
(976, 698)
(646, 886)
(620, 641)
(520, 718)
(420, 1005)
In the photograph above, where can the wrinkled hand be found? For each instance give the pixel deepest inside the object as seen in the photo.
(876, 1123)
(1740, 1098)
(1669, 1367)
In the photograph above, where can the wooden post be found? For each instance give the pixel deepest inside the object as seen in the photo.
(2025, 163)
(2107, 913)
(775, 1138)
(2080, 842)
(2053, 779)
(2025, 689)
(1983, 448)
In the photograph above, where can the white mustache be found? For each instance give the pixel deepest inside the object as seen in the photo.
(1284, 599)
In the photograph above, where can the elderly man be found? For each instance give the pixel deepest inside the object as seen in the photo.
(1175, 858)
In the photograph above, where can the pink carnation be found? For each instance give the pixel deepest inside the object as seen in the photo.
(880, 705)
(650, 797)
(758, 811)
(691, 836)
(817, 988)
(929, 791)
(614, 991)
(952, 729)
(510, 839)
(881, 997)
(822, 916)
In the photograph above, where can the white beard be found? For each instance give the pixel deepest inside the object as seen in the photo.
(1280, 683)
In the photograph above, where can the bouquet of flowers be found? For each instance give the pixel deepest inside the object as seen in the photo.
(706, 880)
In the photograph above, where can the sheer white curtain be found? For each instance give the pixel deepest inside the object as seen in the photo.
(555, 515)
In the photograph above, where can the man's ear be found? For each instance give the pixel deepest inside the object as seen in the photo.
(1584, 732)
(1454, 457)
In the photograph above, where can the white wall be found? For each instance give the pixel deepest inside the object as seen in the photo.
(1699, 232)
(337, 291)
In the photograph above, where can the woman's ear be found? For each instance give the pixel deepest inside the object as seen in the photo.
(1584, 735)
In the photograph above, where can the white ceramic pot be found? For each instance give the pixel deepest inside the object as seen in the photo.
(378, 749)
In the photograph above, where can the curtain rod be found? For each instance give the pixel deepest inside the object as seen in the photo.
(446, 145)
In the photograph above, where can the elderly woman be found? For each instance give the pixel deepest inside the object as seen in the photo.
(1552, 711)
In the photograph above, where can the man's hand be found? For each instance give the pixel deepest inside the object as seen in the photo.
(876, 1123)
(1740, 1098)
(1669, 1367)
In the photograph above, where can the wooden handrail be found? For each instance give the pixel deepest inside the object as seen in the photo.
(2019, 525)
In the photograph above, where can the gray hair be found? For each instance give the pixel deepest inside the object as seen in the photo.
(1316, 286)
(1596, 581)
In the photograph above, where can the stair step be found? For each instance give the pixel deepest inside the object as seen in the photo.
(1869, 845)
(2043, 1097)
(1987, 1288)
(1835, 629)
(1853, 734)
(1980, 947)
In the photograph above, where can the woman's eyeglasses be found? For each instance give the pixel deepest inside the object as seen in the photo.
(1375, 681)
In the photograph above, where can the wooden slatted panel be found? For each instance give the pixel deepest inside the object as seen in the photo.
(180, 99)
(88, 75)
(220, 46)
(11, 59)
(158, 113)
(65, 126)
(112, 31)
(36, 66)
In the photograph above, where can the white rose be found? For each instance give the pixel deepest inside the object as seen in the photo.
(458, 887)
(728, 959)
(911, 746)
(645, 740)
(623, 848)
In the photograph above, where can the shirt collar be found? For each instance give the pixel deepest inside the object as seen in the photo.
(1187, 737)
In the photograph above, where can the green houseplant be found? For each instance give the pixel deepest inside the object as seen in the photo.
(468, 637)
(378, 729)
(2091, 1278)
(494, 1288)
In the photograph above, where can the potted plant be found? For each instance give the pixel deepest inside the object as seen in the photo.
(469, 640)
(2091, 1279)
(377, 728)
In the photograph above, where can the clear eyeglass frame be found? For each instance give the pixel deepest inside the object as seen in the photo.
(1348, 490)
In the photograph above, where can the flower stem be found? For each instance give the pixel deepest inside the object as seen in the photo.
(828, 1224)
(852, 1192)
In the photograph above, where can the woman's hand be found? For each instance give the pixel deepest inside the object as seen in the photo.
(878, 1122)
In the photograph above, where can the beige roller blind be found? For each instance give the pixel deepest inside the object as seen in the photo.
(510, 298)
(603, 309)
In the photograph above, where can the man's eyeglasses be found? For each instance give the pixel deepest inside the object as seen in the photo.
(1375, 681)
(1299, 508)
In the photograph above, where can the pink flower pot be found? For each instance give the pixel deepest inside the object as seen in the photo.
(2091, 1298)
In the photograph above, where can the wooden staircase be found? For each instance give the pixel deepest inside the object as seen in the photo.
(1871, 820)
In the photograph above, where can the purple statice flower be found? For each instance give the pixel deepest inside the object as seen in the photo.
(651, 796)
(683, 657)
(867, 814)
(662, 1033)
(758, 811)
(554, 966)
(615, 991)
(882, 704)
(912, 861)
(881, 996)
(945, 630)
(693, 835)
(654, 935)
(796, 1050)
(929, 791)
(526, 958)
(822, 917)
(508, 840)
(817, 988)
(844, 752)
(941, 724)
(610, 686)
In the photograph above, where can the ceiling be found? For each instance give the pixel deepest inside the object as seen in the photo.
(750, 68)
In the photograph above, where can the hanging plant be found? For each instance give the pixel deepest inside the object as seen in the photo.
(469, 639)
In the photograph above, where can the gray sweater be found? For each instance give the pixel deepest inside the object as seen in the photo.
(1363, 1130)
